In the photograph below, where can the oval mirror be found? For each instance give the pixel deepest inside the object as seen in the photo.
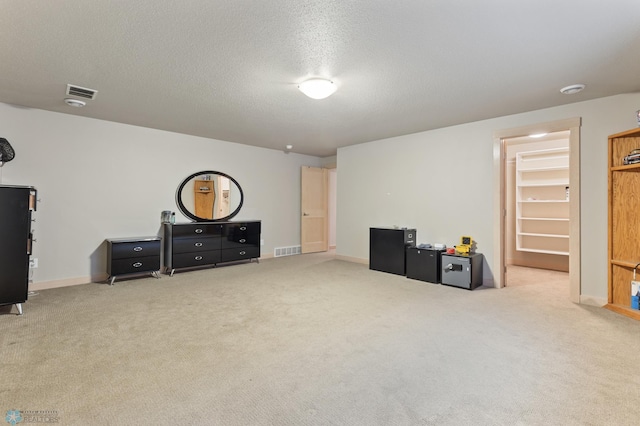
(209, 196)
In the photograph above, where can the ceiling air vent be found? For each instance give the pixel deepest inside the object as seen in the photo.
(81, 92)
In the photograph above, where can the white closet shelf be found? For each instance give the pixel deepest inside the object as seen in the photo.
(562, 253)
(556, 183)
(533, 234)
(543, 201)
(542, 182)
(543, 169)
(555, 219)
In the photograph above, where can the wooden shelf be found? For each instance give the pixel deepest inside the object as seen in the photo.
(624, 310)
(627, 168)
(624, 264)
(624, 216)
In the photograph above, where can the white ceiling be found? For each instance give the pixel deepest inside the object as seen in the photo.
(229, 69)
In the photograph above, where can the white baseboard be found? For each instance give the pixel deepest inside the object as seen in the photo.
(44, 285)
(352, 259)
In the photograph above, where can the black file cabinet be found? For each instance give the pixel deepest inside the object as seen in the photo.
(424, 264)
(388, 247)
(460, 270)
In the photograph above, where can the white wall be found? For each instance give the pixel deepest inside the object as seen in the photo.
(441, 182)
(99, 180)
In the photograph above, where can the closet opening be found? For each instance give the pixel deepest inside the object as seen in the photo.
(537, 196)
(537, 221)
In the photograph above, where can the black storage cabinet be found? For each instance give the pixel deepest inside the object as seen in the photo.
(16, 205)
(388, 247)
(424, 264)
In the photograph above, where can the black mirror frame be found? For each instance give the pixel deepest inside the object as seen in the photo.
(190, 215)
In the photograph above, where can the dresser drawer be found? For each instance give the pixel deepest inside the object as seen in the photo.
(196, 229)
(184, 260)
(129, 249)
(236, 241)
(188, 245)
(135, 264)
(240, 229)
(229, 255)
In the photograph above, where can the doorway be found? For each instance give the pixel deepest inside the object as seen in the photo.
(550, 238)
(318, 209)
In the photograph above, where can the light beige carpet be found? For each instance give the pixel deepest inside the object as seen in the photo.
(309, 340)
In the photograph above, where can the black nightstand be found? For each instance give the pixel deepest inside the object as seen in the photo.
(133, 256)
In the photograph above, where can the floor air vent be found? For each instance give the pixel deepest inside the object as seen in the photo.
(286, 251)
(81, 92)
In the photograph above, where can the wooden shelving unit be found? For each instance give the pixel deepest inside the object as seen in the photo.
(542, 203)
(624, 221)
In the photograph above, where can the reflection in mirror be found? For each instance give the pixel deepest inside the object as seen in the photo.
(209, 195)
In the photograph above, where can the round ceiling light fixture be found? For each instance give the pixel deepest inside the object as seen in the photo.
(76, 103)
(317, 88)
(574, 88)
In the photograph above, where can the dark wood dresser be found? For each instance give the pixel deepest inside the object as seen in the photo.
(196, 244)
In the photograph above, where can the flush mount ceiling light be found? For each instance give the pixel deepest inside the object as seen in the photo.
(74, 102)
(574, 88)
(317, 88)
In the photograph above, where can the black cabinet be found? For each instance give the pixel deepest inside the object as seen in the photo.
(387, 248)
(424, 264)
(16, 205)
(462, 270)
(189, 245)
(133, 255)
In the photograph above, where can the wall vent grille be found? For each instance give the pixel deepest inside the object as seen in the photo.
(81, 92)
(286, 251)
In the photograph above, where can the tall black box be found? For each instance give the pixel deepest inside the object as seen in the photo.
(424, 264)
(388, 247)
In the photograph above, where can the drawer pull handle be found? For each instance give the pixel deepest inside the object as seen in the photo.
(243, 228)
(137, 264)
(198, 231)
(198, 244)
(242, 253)
(198, 258)
(242, 240)
(137, 248)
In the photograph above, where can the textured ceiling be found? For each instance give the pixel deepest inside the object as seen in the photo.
(229, 69)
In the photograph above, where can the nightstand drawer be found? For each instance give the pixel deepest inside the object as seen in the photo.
(134, 265)
(124, 250)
